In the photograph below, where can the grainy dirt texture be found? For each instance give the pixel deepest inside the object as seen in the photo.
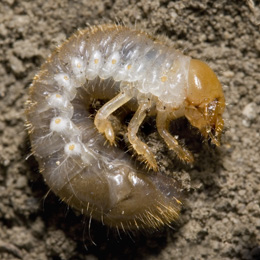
(221, 217)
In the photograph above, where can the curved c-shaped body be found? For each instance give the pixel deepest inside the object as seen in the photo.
(122, 66)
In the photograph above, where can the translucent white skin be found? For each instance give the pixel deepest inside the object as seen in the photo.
(101, 181)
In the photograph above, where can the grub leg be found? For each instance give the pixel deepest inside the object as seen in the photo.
(101, 121)
(141, 148)
(162, 123)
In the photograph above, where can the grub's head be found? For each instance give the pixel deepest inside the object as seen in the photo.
(205, 102)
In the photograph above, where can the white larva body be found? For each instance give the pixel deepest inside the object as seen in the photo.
(98, 180)
(136, 58)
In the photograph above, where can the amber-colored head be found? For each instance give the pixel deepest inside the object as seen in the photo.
(205, 102)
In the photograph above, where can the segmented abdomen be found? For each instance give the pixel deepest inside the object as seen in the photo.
(97, 179)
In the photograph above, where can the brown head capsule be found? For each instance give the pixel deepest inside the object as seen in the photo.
(119, 67)
(205, 102)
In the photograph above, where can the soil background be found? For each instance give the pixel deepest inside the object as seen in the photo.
(221, 216)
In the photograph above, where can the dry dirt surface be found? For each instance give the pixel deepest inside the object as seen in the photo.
(221, 216)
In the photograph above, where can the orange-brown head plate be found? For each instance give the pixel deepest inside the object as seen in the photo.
(205, 102)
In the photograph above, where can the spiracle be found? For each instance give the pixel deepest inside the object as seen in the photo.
(118, 67)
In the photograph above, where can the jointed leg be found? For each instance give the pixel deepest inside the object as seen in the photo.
(101, 121)
(140, 147)
(162, 123)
